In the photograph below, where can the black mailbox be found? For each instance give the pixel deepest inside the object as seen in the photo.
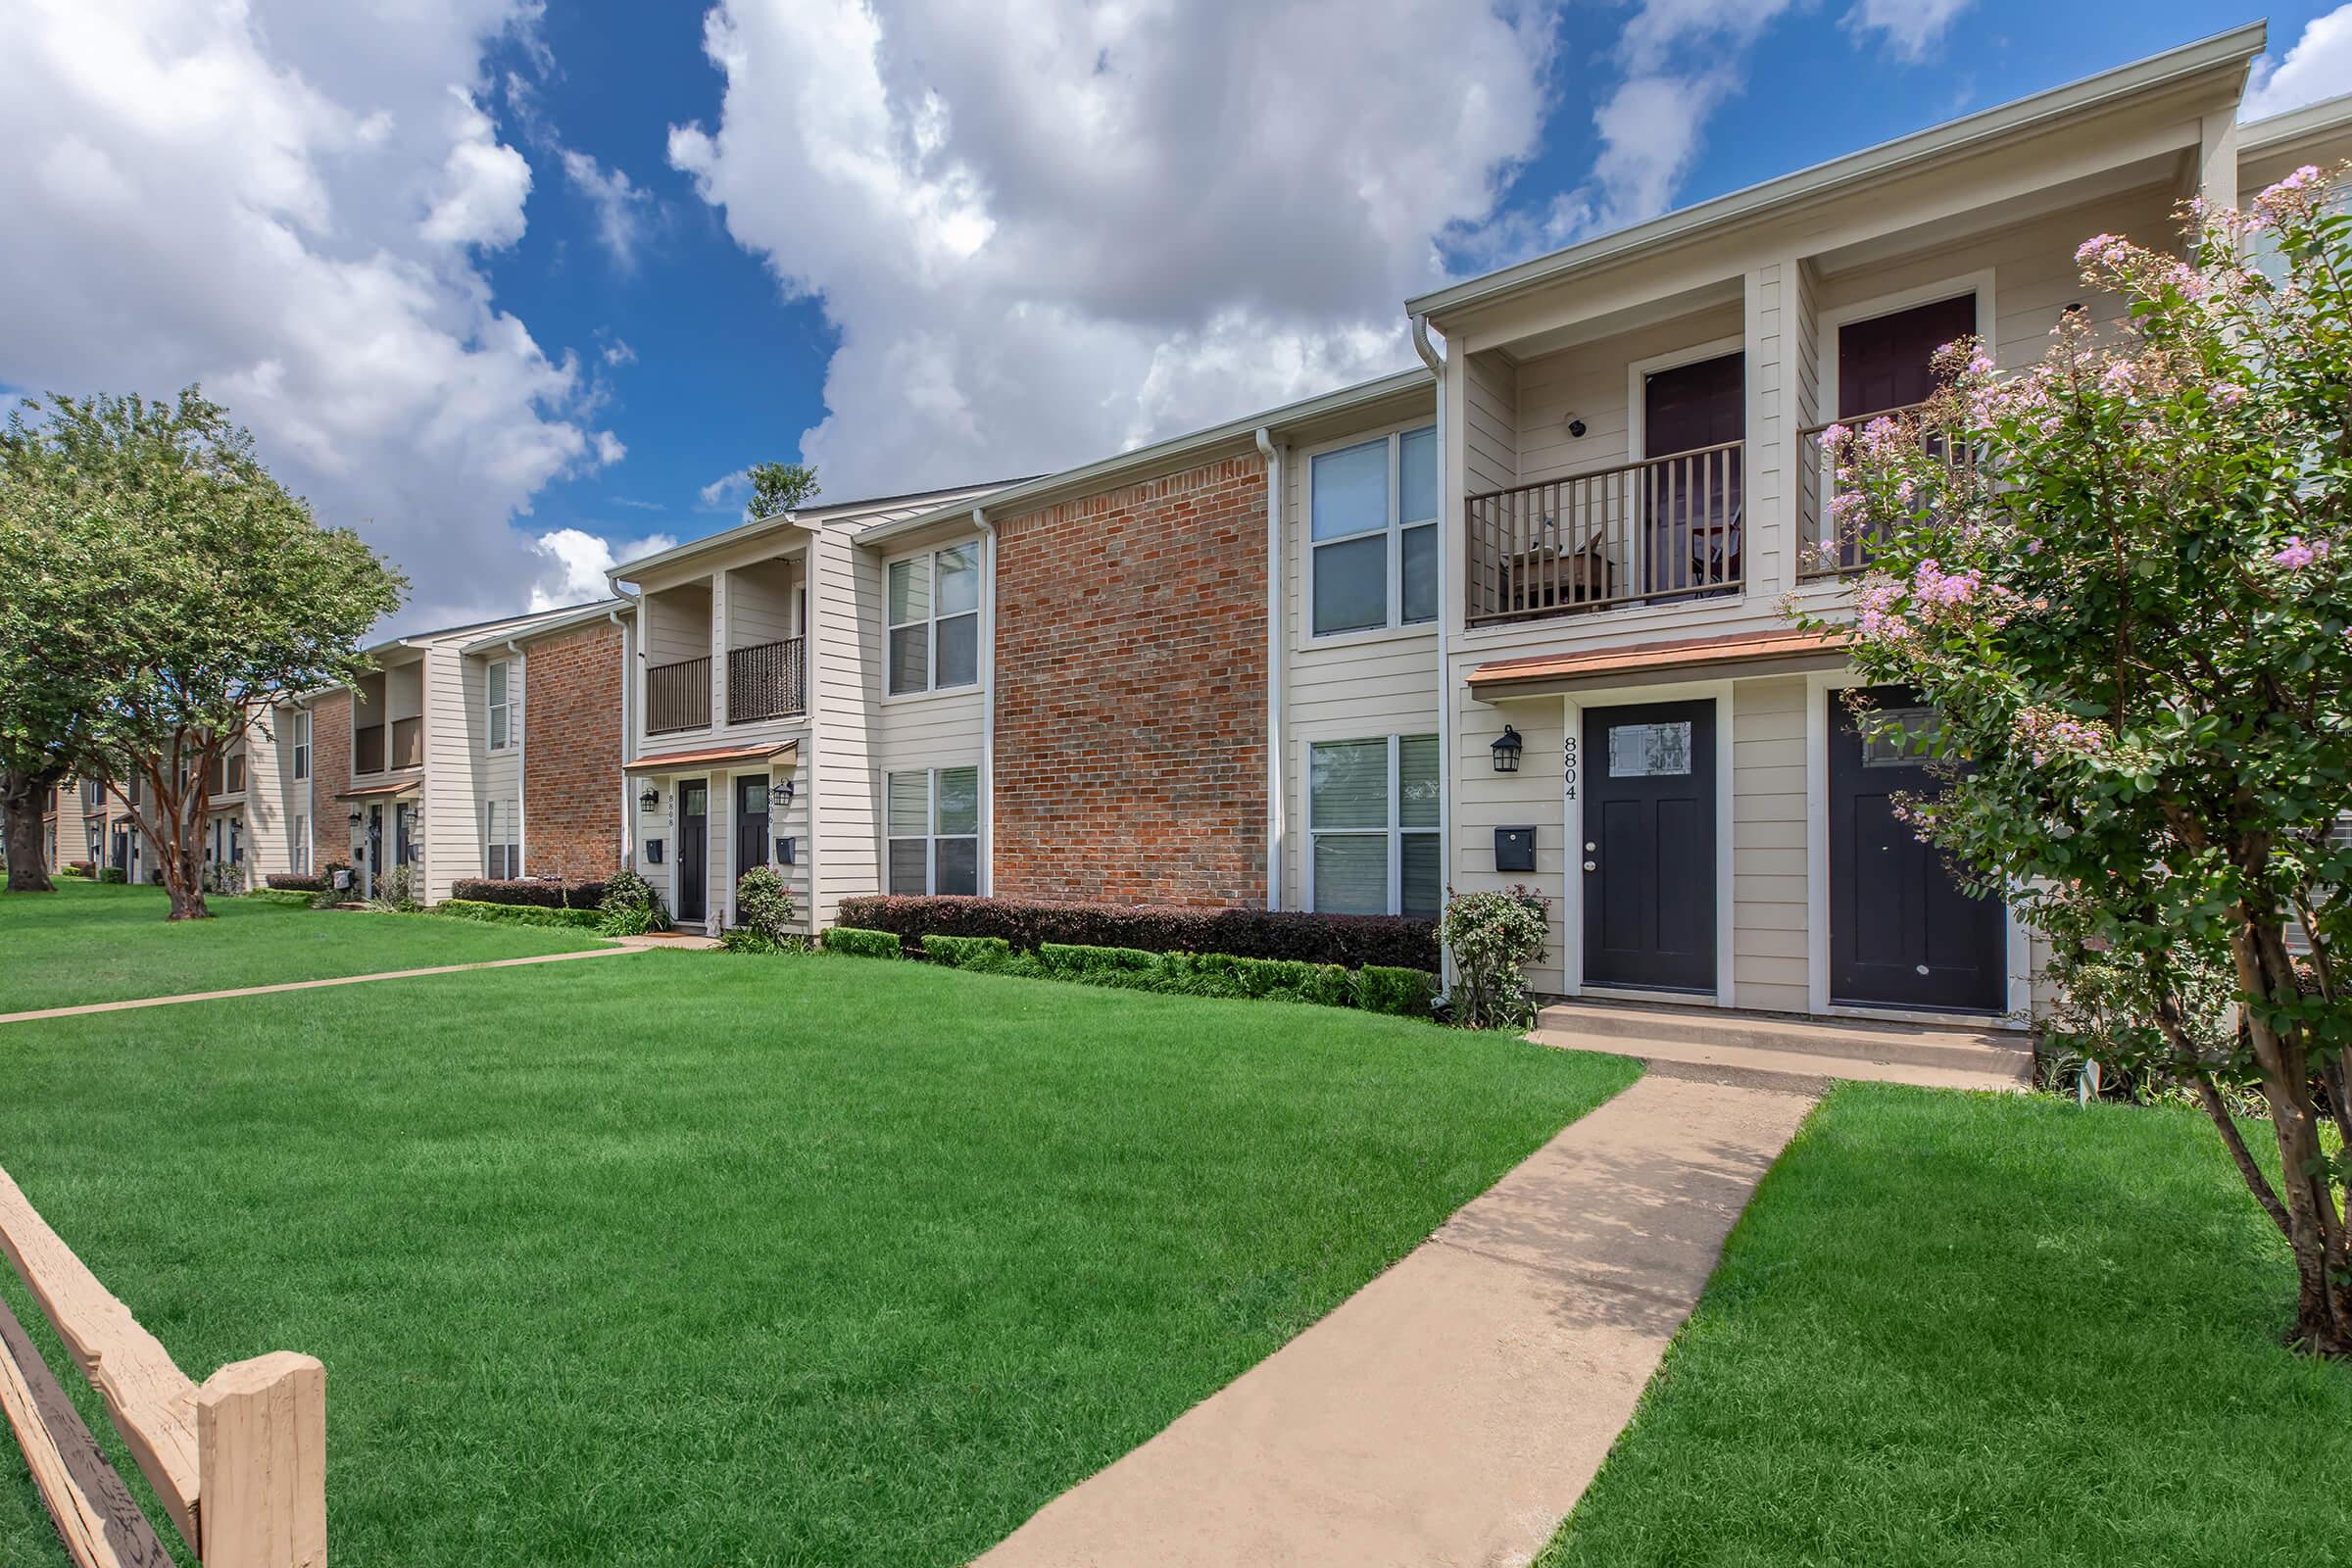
(653, 852)
(785, 848)
(1514, 849)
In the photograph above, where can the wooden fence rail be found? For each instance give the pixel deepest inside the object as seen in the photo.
(239, 1461)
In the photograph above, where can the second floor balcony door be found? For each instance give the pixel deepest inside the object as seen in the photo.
(1888, 361)
(1694, 505)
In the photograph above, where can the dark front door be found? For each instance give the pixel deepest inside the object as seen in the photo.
(751, 824)
(694, 851)
(1902, 934)
(1693, 504)
(1649, 847)
(1888, 361)
(376, 847)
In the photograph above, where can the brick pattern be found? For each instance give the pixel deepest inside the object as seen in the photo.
(1131, 693)
(330, 777)
(571, 755)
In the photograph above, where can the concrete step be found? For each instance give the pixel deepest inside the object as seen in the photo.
(1805, 1045)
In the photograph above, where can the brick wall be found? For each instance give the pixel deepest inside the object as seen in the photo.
(1131, 693)
(572, 754)
(330, 777)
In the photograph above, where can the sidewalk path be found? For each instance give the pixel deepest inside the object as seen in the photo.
(307, 985)
(1452, 1410)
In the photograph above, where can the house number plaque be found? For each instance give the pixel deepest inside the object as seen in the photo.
(1568, 767)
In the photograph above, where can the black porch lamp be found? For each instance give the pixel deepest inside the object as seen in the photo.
(1507, 747)
(355, 817)
(650, 799)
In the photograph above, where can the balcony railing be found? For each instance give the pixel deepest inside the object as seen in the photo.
(367, 749)
(1646, 532)
(765, 681)
(1825, 550)
(678, 696)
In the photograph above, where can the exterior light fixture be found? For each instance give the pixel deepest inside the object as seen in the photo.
(650, 799)
(1576, 428)
(1507, 747)
(355, 817)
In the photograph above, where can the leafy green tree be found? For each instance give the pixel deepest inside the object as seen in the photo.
(158, 590)
(2124, 578)
(778, 488)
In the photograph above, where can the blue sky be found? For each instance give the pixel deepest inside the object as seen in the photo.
(516, 287)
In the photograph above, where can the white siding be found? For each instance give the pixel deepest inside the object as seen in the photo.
(845, 607)
(1768, 844)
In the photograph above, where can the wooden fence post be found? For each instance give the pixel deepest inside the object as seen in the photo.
(260, 1463)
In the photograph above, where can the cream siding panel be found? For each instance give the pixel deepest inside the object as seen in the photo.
(1485, 800)
(449, 812)
(1589, 382)
(1490, 420)
(1768, 870)
(846, 603)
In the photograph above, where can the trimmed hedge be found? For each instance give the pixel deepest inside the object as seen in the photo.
(518, 913)
(531, 893)
(114, 874)
(860, 944)
(80, 868)
(288, 882)
(287, 896)
(1375, 988)
(1353, 941)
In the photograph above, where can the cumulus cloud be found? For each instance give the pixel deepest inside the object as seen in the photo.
(2319, 66)
(281, 200)
(728, 491)
(1910, 27)
(574, 563)
(1049, 230)
(622, 208)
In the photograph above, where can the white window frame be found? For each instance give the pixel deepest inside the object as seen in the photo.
(493, 712)
(511, 841)
(931, 836)
(298, 849)
(1394, 529)
(930, 619)
(1396, 832)
(302, 743)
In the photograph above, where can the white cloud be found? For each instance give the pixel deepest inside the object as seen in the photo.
(617, 353)
(622, 208)
(2319, 66)
(241, 195)
(574, 561)
(727, 492)
(1911, 28)
(1048, 229)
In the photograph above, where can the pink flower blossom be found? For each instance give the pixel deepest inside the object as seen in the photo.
(2297, 555)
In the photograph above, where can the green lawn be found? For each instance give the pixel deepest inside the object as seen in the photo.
(693, 1258)
(89, 942)
(1962, 1330)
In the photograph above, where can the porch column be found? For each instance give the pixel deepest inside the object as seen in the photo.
(1767, 499)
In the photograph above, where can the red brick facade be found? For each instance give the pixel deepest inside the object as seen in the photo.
(1131, 693)
(330, 777)
(572, 754)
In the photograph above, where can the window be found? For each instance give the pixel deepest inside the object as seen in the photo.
(934, 829)
(1372, 814)
(298, 853)
(502, 704)
(301, 729)
(1373, 525)
(502, 840)
(935, 636)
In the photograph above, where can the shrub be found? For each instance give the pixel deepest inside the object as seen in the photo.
(281, 895)
(112, 873)
(764, 912)
(969, 952)
(395, 890)
(1492, 934)
(519, 914)
(629, 907)
(1399, 993)
(1074, 962)
(860, 944)
(80, 868)
(1350, 940)
(329, 895)
(291, 882)
(537, 892)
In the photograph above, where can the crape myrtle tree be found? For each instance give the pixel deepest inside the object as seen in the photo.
(2122, 577)
(153, 572)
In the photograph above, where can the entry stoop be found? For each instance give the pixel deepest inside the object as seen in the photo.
(1735, 1043)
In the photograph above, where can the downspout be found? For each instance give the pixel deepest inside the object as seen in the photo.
(628, 842)
(988, 701)
(523, 773)
(1445, 758)
(1275, 739)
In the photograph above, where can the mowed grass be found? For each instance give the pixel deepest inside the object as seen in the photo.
(92, 942)
(691, 1258)
(1966, 1330)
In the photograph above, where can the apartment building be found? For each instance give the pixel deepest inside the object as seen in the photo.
(1516, 617)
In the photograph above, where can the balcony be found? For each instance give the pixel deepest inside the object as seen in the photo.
(765, 681)
(367, 749)
(227, 777)
(369, 754)
(1825, 551)
(1639, 533)
(678, 696)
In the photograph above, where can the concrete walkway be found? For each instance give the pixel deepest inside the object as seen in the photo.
(306, 984)
(1452, 1410)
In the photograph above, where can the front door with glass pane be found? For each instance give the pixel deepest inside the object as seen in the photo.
(694, 851)
(1648, 851)
(751, 824)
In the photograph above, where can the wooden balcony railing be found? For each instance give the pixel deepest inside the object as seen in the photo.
(1639, 533)
(765, 681)
(678, 696)
(1824, 549)
(367, 749)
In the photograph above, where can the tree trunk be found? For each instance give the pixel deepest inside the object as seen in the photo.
(21, 798)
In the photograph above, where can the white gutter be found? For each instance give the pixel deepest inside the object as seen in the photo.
(521, 735)
(988, 704)
(1445, 759)
(1276, 739)
(629, 655)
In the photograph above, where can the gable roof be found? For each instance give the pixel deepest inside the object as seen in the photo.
(802, 517)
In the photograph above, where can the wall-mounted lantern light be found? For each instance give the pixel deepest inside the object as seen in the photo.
(1576, 428)
(1507, 747)
(650, 799)
(355, 818)
(784, 792)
